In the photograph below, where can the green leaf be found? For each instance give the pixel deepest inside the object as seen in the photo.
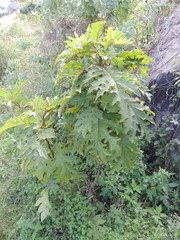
(71, 69)
(87, 119)
(99, 133)
(173, 185)
(127, 154)
(39, 105)
(46, 133)
(42, 150)
(44, 205)
(22, 119)
(95, 224)
(124, 87)
(95, 30)
(62, 166)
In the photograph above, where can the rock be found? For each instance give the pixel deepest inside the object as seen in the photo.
(13, 6)
(165, 89)
(165, 101)
(7, 7)
(166, 51)
(165, 70)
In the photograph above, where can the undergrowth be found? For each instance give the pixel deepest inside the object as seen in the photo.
(129, 205)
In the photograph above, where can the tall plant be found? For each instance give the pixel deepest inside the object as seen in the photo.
(95, 122)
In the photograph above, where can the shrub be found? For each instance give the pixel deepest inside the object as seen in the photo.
(162, 150)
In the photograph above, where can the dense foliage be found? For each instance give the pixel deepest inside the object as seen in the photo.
(73, 131)
(95, 123)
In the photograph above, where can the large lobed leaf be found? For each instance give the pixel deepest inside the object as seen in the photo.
(22, 119)
(44, 205)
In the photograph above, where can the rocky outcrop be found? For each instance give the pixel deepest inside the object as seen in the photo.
(7, 7)
(165, 100)
(165, 69)
(166, 51)
(165, 89)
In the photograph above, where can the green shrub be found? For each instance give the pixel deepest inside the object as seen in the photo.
(163, 149)
(110, 109)
(136, 189)
(29, 7)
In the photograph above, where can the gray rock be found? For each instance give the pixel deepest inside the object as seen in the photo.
(163, 97)
(166, 51)
(7, 7)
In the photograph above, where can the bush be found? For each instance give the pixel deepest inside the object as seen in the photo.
(30, 7)
(162, 150)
